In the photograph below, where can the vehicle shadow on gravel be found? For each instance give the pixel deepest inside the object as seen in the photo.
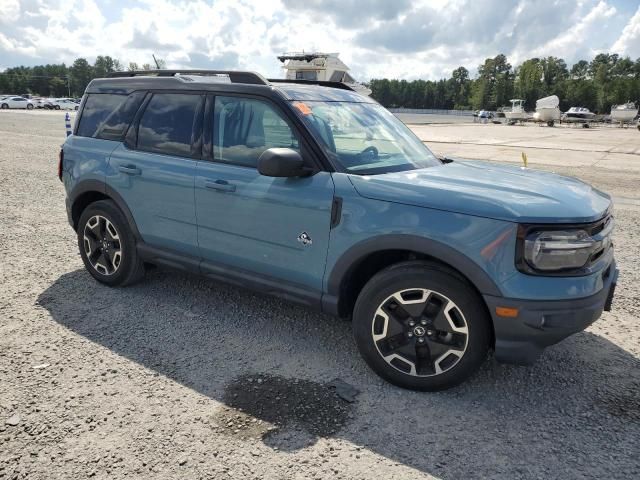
(576, 412)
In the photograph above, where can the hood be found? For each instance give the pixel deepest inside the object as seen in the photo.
(503, 192)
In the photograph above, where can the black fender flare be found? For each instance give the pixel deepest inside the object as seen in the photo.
(437, 250)
(92, 185)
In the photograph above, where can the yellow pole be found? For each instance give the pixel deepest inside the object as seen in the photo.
(524, 159)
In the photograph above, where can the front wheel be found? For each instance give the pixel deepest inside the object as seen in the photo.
(57, 107)
(107, 246)
(29, 106)
(420, 326)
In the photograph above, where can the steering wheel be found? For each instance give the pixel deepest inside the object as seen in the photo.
(370, 151)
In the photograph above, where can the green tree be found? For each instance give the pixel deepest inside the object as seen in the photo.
(81, 74)
(529, 82)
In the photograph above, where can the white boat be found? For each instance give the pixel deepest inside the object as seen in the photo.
(578, 115)
(547, 110)
(517, 113)
(319, 67)
(624, 113)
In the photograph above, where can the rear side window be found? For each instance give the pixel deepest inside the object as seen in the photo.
(107, 116)
(168, 123)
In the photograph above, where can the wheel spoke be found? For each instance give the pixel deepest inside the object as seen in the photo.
(111, 233)
(448, 319)
(90, 245)
(412, 301)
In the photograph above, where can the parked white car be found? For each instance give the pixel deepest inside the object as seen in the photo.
(64, 104)
(16, 102)
(38, 102)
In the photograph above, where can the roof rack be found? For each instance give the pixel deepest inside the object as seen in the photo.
(235, 76)
(322, 83)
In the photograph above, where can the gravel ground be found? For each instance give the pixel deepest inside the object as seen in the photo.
(180, 377)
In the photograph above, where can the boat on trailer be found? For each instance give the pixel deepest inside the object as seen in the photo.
(624, 113)
(319, 67)
(517, 113)
(578, 115)
(547, 110)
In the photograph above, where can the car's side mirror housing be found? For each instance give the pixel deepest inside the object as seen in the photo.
(282, 162)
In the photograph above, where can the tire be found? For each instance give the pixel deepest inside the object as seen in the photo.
(107, 246)
(29, 106)
(446, 314)
(57, 107)
(4, 106)
(550, 123)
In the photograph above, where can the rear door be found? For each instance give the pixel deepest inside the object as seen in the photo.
(275, 228)
(154, 169)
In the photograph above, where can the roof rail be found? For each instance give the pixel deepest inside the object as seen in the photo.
(322, 83)
(234, 75)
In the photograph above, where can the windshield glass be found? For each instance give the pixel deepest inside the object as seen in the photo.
(365, 138)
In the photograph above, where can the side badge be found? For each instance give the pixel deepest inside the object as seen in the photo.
(305, 239)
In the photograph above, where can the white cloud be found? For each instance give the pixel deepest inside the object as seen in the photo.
(629, 41)
(408, 39)
(576, 37)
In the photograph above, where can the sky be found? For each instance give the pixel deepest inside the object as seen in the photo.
(377, 38)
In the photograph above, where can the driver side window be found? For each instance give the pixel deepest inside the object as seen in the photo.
(243, 128)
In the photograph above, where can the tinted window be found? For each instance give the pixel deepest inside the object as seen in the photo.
(306, 75)
(117, 122)
(336, 76)
(167, 124)
(244, 128)
(100, 108)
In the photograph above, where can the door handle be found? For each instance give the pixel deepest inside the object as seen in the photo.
(220, 185)
(130, 169)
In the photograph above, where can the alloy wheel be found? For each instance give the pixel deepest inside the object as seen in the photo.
(102, 245)
(420, 332)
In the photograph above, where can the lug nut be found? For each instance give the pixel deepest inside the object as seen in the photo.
(421, 340)
(423, 322)
(410, 334)
(430, 332)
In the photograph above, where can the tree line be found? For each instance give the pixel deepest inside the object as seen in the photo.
(60, 80)
(608, 79)
(605, 81)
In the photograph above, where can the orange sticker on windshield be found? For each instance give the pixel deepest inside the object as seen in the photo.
(303, 108)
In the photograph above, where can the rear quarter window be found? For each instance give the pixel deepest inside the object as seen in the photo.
(108, 116)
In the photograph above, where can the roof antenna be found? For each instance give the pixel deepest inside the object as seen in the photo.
(155, 60)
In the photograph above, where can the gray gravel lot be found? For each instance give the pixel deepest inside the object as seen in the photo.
(180, 377)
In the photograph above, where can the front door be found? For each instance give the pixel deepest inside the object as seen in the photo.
(277, 228)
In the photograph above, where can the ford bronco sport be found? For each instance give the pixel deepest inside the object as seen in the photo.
(316, 194)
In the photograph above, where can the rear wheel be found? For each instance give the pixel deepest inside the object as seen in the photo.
(57, 107)
(420, 326)
(29, 106)
(107, 246)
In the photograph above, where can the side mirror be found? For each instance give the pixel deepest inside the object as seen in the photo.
(281, 162)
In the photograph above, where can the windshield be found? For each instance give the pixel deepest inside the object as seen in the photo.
(365, 138)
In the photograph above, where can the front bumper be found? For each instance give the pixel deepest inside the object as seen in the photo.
(522, 339)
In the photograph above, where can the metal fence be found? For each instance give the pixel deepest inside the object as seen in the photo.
(432, 111)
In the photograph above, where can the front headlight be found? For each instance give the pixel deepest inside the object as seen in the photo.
(550, 251)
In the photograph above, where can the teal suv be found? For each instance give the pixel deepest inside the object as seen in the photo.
(318, 195)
